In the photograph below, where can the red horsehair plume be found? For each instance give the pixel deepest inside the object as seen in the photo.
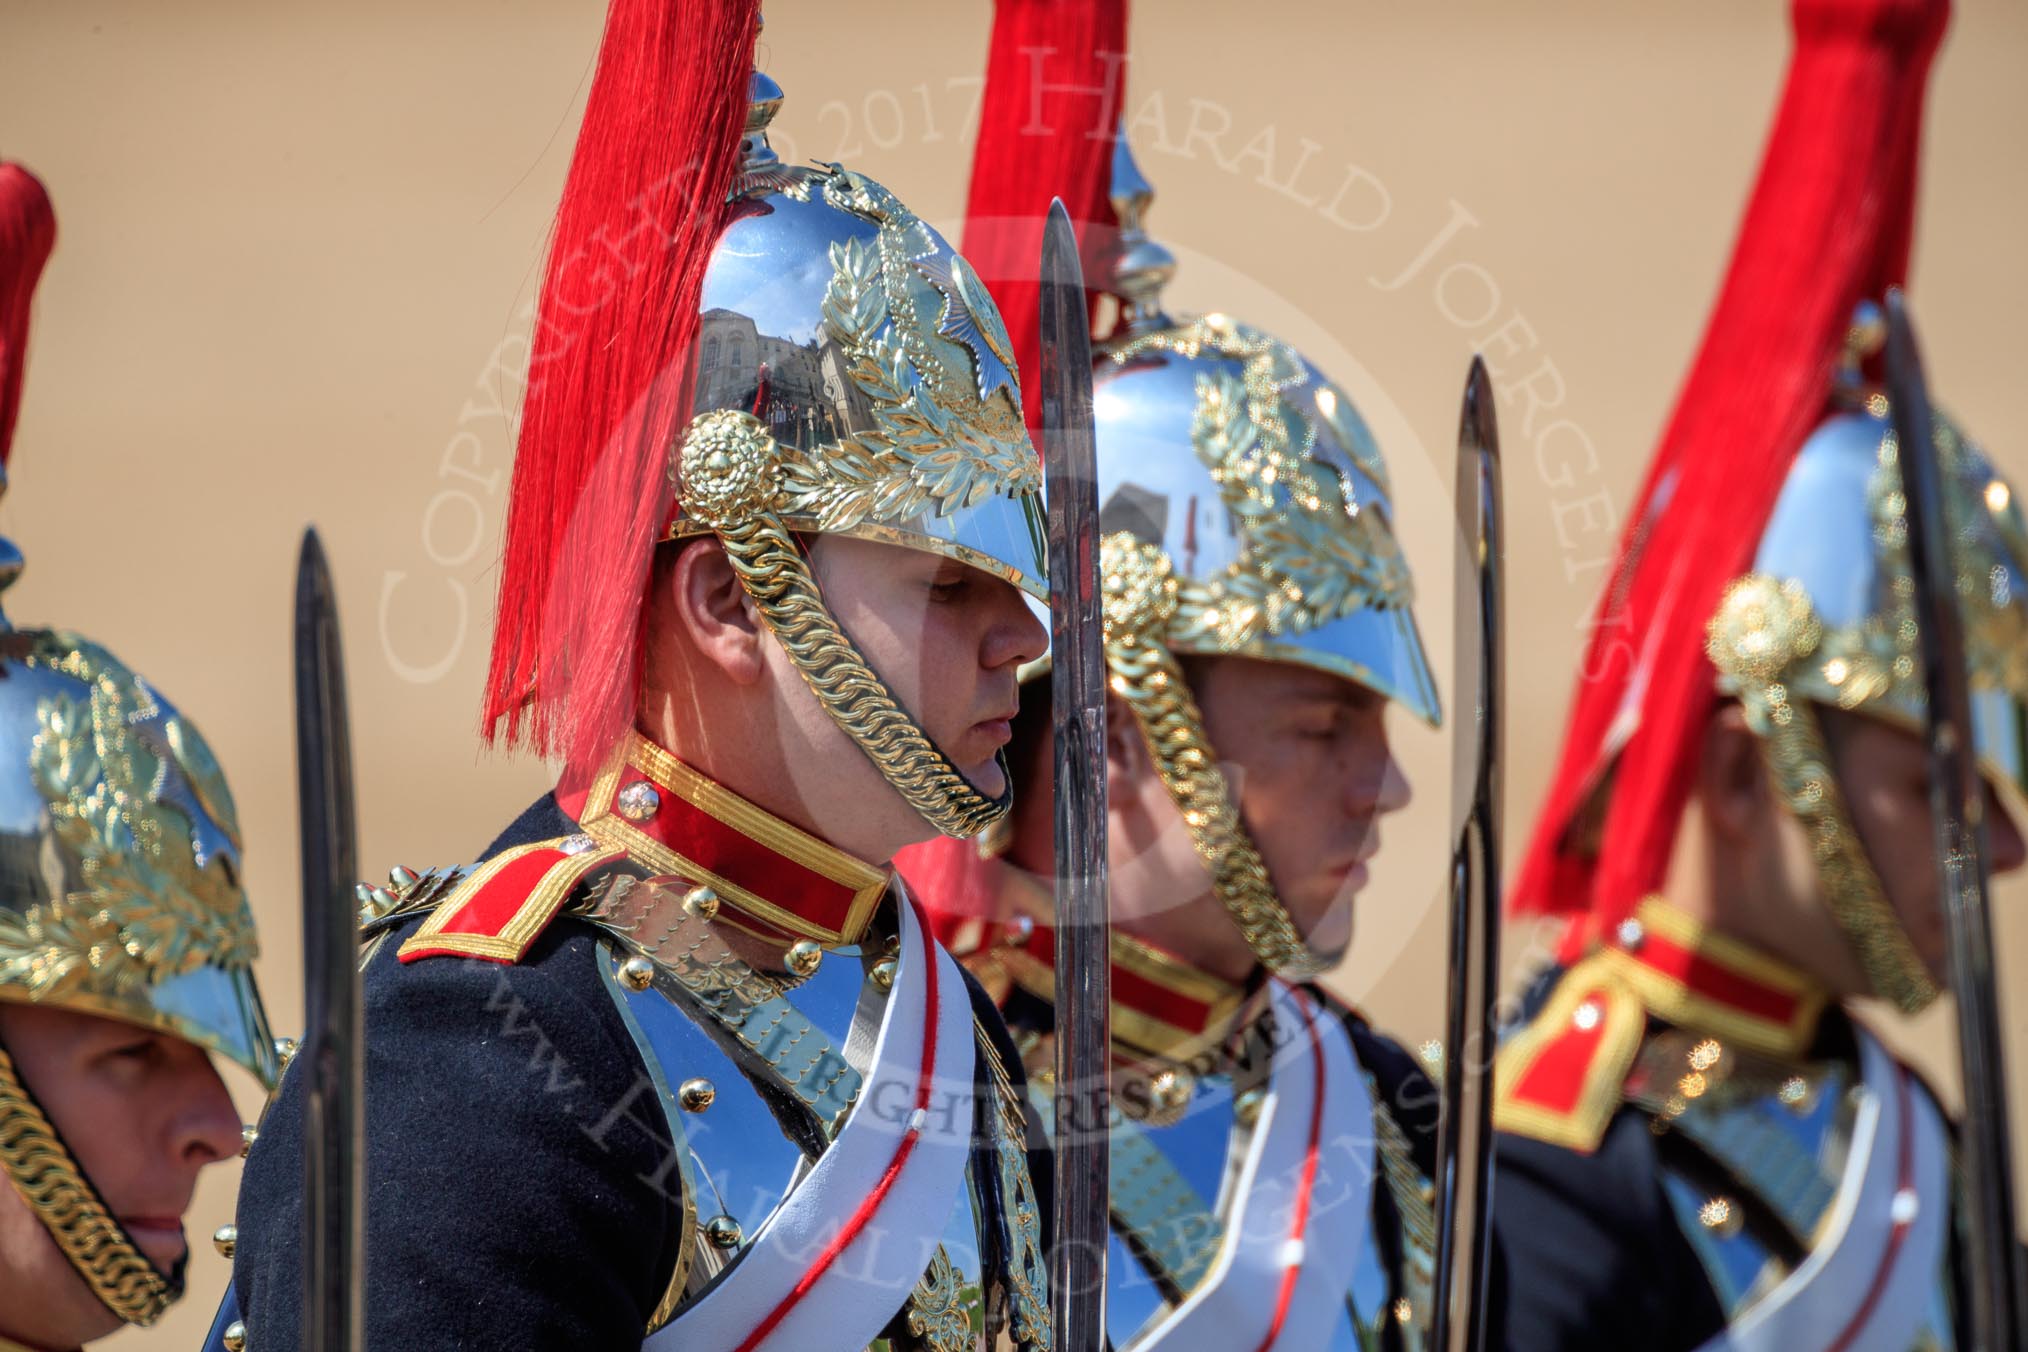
(1828, 224)
(609, 378)
(27, 234)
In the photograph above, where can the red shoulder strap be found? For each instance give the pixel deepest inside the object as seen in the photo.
(503, 907)
(1562, 1078)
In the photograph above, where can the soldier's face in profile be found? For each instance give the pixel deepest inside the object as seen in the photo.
(1308, 757)
(142, 1114)
(1884, 773)
(946, 638)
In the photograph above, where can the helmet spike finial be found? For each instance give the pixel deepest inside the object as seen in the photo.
(1141, 265)
(764, 100)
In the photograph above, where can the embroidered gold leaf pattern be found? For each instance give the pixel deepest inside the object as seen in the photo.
(936, 1308)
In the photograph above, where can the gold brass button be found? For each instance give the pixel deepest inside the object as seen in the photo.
(247, 1137)
(1721, 1216)
(883, 973)
(1246, 1108)
(639, 801)
(804, 956)
(234, 1336)
(700, 903)
(637, 973)
(225, 1239)
(696, 1094)
(723, 1231)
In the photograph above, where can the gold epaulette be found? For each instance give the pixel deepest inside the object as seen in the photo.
(498, 910)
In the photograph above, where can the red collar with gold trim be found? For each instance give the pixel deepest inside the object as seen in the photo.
(771, 878)
(1160, 1004)
(1561, 1078)
(1694, 978)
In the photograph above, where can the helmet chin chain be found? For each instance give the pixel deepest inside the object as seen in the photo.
(1140, 598)
(50, 1180)
(728, 469)
(1801, 764)
(1762, 641)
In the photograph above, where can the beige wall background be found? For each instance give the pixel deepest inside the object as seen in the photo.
(299, 246)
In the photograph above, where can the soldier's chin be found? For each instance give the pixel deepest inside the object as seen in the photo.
(1329, 936)
(988, 776)
(1930, 936)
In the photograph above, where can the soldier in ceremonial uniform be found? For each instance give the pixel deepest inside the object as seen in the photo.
(126, 946)
(1701, 1147)
(678, 1063)
(1270, 1152)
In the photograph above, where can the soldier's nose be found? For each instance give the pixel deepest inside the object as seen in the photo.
(2005, 850)
(1018, 635)
(207, 1126)
(1384, 790)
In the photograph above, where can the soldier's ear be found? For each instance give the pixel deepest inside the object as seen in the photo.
(1129, 763)
(713, 611)
(1732, 776)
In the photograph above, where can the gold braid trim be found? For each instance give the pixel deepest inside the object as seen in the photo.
(765, 557)
(55, 1189)
(1415, 1202)
(1802, 769)
(1140, 597)
(1027, 1269)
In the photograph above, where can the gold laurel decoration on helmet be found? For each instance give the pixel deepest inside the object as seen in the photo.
(1764, 632)
(55, 1189)
(729, 446)
(1990, 533)
(1139, 604)
(1314, 553)
(944, 438)
(1877, 658)
(128, 786)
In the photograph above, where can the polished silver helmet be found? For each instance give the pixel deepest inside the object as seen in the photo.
(1826, 618)
(854, 377)
(121, 897)
(1246, 513)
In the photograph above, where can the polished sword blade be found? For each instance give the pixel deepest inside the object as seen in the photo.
(1078, 716)
(1465, 1133)
(1957, 804)
(334, 1122)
